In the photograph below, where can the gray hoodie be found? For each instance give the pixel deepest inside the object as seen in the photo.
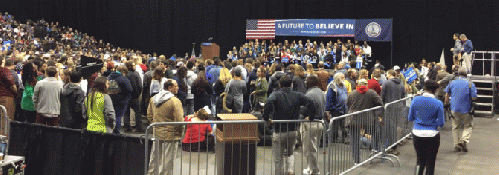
(393, 89)
(162, 97)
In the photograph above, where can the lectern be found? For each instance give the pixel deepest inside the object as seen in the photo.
(235, 148)
(210, 50)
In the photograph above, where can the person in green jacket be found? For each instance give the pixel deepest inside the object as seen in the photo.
(98, 108)
(261, 84)
(29, 79)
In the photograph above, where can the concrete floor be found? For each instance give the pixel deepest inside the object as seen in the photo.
(482, 158)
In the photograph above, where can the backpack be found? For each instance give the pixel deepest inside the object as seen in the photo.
(114, 87)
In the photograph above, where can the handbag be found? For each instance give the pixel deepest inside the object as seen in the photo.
(472, 104)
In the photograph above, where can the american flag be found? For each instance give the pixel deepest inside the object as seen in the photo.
(260, 29)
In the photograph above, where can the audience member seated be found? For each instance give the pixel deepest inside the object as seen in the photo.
(198, 137)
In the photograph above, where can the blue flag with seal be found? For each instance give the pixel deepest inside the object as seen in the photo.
(410, 75)
(373, 29)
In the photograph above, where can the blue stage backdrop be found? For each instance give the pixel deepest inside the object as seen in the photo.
(373, 29)
(315, 27)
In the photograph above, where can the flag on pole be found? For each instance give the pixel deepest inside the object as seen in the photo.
(442, 58)
(193, 53)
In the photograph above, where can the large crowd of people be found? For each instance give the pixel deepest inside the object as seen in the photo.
(40, 83)
(304, 53)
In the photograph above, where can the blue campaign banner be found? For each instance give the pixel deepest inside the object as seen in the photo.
(373, 30)
(410, 75)
(315, 27)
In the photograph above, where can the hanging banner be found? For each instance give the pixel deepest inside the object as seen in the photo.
(373, 29)
(315, 27)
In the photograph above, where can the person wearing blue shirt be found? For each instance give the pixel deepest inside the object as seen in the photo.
(460, 90)
(466, 49)
(427, 112)
(214, 71)
(336, 105)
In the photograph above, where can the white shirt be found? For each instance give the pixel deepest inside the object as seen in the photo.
(368, 51)
(359, 59)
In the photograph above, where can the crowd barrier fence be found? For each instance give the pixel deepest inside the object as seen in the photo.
(300, 146)
(4, 122)
(373, 132)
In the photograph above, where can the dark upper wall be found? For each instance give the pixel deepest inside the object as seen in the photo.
(421, 28)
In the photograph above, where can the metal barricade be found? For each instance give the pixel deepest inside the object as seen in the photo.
(238, 152)
(398, 128)
(371, 134)
(4, 121)
(299, 146)
(360, 142)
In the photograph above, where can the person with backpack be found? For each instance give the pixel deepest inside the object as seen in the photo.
(72, 99)
(120, 91)
(136, 83)
(98, 108)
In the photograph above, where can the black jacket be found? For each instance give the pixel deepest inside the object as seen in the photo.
(134, 78)
(202, 91)
(284, 104)
(146, 97)
(72, 99)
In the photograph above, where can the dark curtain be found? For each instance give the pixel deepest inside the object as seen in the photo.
(53, 150)
(422, 28)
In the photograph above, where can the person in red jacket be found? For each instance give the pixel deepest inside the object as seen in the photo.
(198, 137)
(373, 82)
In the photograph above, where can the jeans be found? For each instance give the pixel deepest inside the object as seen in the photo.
(339, 125)
(133, 104)
(283, 144)
(189, 107)
(426, 151)
(119, 111)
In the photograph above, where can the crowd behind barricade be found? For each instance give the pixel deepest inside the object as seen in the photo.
(40, 84)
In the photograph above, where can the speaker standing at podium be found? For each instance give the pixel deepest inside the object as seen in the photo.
(285, 104)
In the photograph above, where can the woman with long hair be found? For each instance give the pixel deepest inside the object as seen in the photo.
(310, 69)
(198, 137)
(235, 90)
(29, 79)
(158, 81)
(225, 77)
(202, 90)
(364, 74)
(181, 77)
(299, 80)
(98, 109)
(261, 87)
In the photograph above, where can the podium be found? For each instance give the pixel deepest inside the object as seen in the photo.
(210, 50)
(235, 149)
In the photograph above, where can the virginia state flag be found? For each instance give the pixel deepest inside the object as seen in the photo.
(373, 29)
